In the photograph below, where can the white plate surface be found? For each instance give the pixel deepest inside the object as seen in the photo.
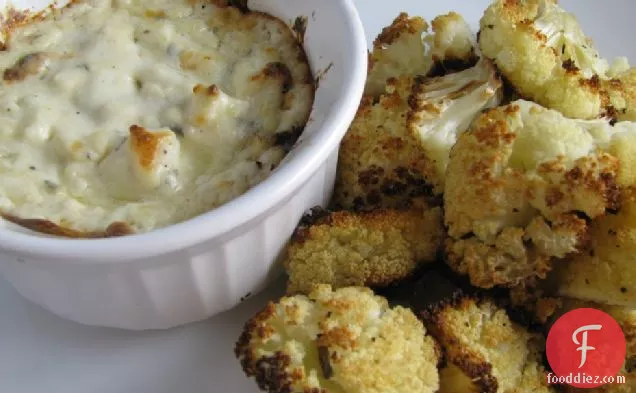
(42, 353)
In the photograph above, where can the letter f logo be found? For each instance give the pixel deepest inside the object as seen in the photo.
(584, 347)
(570, 341)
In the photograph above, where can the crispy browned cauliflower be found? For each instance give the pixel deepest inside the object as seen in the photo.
(538, 301)
(521, 185)
(367, 249)
(542, 51)
(442, 108)
(342, 341)
(622, 93)
(380, 164)
(602, 272)
(606, 273)
(396, 150)
(405, 48)
(484, 350)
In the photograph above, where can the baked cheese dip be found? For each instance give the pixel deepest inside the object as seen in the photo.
(121, 116)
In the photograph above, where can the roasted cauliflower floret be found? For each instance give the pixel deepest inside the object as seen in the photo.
(538, 300)
(452, 40)
(380, 163)
(542, 51)
(405, 48)
(484, 350)
(398, 50)
(622, 95)
(444, 107)
(343, 341)
(367, 249)
(396, 151)
(520, 186)
(606, 273)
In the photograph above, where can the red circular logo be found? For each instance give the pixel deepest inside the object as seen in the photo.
(585, 348)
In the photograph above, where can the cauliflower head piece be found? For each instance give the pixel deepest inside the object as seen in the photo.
(484, 350)
(444, 107)
(542, 51)
(621, 90)
(521, 185)
(380, 164)
(406, 48)
(371, 249)
(396, 151)
(606, 272)
(342, 341)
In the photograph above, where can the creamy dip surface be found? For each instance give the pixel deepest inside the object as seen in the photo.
(143, 113)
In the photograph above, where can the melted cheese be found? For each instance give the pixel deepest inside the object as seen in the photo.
(147, 112)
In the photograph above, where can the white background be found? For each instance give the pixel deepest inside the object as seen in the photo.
(40, 353)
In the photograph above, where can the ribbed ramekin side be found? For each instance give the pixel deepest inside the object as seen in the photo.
(171, 290)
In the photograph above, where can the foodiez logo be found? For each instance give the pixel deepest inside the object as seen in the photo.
(585, 348)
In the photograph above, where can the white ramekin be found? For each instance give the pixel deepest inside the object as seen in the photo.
(193, 270)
